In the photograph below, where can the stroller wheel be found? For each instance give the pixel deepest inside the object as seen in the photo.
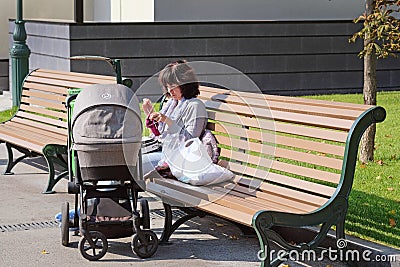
(145, 218)
(97, 249)
(65, 224)
(145, 244)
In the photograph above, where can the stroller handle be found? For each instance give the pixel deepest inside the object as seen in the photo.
(115, 64)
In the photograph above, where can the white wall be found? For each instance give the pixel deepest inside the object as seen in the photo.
(48, 9)
(95, 10)
(279, 10)
(7, 8)
(37, 9)
(138, 10)
(124, 10)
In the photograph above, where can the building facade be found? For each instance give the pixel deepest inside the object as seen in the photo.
(285, 47)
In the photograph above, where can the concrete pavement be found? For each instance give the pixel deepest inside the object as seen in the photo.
(5, 100)
(199, 243)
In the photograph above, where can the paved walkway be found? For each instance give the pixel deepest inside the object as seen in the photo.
(5, 101)
(30, 237)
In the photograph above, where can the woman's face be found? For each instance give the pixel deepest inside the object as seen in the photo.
(175, 91)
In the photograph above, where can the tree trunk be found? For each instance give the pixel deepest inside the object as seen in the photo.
(369, 91)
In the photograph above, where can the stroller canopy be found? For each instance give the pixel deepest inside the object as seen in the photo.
(106, 114)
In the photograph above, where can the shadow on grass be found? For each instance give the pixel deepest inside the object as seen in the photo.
(373, 218)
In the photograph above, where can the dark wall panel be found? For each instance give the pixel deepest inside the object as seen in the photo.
(288, 58)
(4, 75)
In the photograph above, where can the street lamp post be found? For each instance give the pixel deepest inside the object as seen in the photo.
(19, 54)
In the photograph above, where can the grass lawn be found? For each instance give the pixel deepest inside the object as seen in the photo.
(7, 114)
(374, 205)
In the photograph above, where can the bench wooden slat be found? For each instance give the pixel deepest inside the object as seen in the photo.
(32, 137)
(34, 134)
(283, 192)
(239, 201)
(191, 201)
(47, 127)
(300, 170)
(46, 104)
(320, 103)
(20, 142)
(89, 79)
(284, 106)
(275, 165)
(78, 75)
(45, 96)
(266, 176)
(288, 99)
(14, 134)
(41, 131)
(42, 119)
(63, 83)
(211, 195)
(296, 118)
(223, 197)
(336, 136)
(278, 152)
(301, 130)
(262, 203)
(277, 139)
(263, 174)
(61, 90)
(262, 197)
(40, 110)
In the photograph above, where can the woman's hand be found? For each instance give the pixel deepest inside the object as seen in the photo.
(159, 117)
(147, 106)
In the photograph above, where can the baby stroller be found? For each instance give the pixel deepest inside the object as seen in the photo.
(104, 159)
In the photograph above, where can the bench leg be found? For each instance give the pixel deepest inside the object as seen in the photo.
(340, 228)
(11, 162)
(262, 222)
(170, 227)
(340, 240)
(167, 232)
(54, 154)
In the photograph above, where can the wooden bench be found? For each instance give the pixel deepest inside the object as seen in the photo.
(294, 161)
(40, 125)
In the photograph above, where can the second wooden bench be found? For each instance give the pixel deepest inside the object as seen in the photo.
(40, 125)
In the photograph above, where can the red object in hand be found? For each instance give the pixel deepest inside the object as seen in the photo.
(153, 126)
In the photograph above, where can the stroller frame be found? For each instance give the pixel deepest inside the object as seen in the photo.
(93, 244)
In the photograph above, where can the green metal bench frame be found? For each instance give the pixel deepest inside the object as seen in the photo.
(332, 213)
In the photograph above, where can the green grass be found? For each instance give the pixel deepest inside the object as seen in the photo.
(7, 114)
(374, 204)
(146, 131)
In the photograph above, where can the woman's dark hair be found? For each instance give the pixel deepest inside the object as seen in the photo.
(181, 74)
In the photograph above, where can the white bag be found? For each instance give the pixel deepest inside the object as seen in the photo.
(213, 175)
(190, 163)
